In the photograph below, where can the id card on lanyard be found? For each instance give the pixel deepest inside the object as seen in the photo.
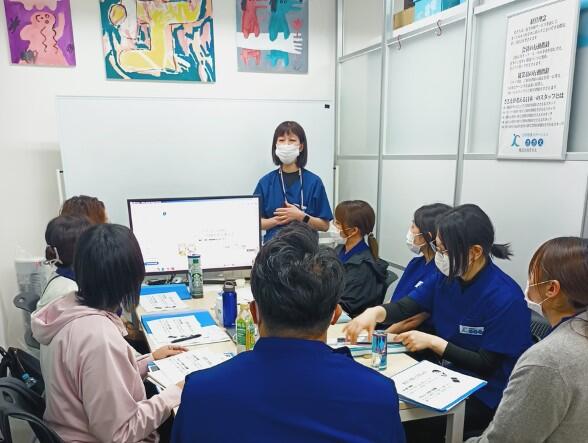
(301, 205)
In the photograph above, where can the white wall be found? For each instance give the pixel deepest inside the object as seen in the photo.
(422, 118)
(29, 150)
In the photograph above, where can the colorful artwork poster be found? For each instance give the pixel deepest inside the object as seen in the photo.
(40, 32)
(158, 40)
(583, 29)
(272, 36)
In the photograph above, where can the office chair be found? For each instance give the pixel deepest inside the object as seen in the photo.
(540, 328)
(27, 301)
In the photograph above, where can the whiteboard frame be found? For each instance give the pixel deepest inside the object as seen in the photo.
(328, 176)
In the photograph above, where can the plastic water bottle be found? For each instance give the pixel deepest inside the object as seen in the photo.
(245, 329)
(29, 381)
(241, 337)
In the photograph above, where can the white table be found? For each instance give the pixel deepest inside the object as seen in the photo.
(396, 363)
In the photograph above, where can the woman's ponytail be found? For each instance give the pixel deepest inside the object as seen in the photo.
(501, 251)
(373, 244)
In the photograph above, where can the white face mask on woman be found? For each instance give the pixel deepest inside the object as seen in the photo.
(442, 263)
(287, 153)
(534, 306)
(415, 249)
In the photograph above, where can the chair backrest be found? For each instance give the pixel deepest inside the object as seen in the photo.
(27, 301)
(540, 328)
(17, 402)
(391, 277)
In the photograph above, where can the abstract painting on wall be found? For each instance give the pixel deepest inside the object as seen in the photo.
(583, 25)
(40, 32)
(158, 40)
(272, 36)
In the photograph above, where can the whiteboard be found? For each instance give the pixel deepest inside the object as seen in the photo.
(119, 148)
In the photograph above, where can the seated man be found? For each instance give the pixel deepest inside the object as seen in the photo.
(291, 387)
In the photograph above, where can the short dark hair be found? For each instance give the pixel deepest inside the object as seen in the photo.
(296, 284)
(425, 218)
(301, 233)
(83, 205)
(61, 235)
(463, 227)
(285, 128)
(109, 268)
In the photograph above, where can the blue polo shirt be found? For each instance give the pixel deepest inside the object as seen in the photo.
(487, 313)
(416, 272)
(272, 196)
(288, 390)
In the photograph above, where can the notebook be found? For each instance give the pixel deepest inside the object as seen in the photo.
(180, 289)
(435, 387)
(183, 328)
(173, 370)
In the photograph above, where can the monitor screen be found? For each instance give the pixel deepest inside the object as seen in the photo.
(224, 231)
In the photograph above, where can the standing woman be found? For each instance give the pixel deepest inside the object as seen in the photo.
(292, 192)
(479, 313)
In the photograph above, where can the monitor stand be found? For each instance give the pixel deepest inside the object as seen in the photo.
(216, 277)
(210, 277)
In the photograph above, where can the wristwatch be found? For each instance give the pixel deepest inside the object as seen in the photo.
(306, 218)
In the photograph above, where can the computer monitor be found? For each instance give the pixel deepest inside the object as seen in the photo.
(224, 231)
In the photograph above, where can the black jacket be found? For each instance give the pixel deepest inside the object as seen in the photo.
(366, 282)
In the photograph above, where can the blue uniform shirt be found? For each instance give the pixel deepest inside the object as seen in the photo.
(487, 313)
(288, 390)
(345, 256)
(271, 192)
(66, 272)
(415, 274)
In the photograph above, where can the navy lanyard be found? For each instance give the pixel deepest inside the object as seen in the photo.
(301, 188)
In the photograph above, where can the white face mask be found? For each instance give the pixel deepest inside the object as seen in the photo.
(287, 153)
(442, 263)
(343, 237)
(415, 249)
(56, 260)
(533, 306)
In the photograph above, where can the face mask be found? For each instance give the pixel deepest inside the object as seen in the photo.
(533, 306)
(343, 237)
(442, 263)
(287, 153)
(56, 260)
(415, 249)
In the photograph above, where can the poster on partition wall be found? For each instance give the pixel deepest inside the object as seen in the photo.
(537, 83)
(272, 36)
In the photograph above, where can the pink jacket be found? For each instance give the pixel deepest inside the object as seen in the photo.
(93, 381)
